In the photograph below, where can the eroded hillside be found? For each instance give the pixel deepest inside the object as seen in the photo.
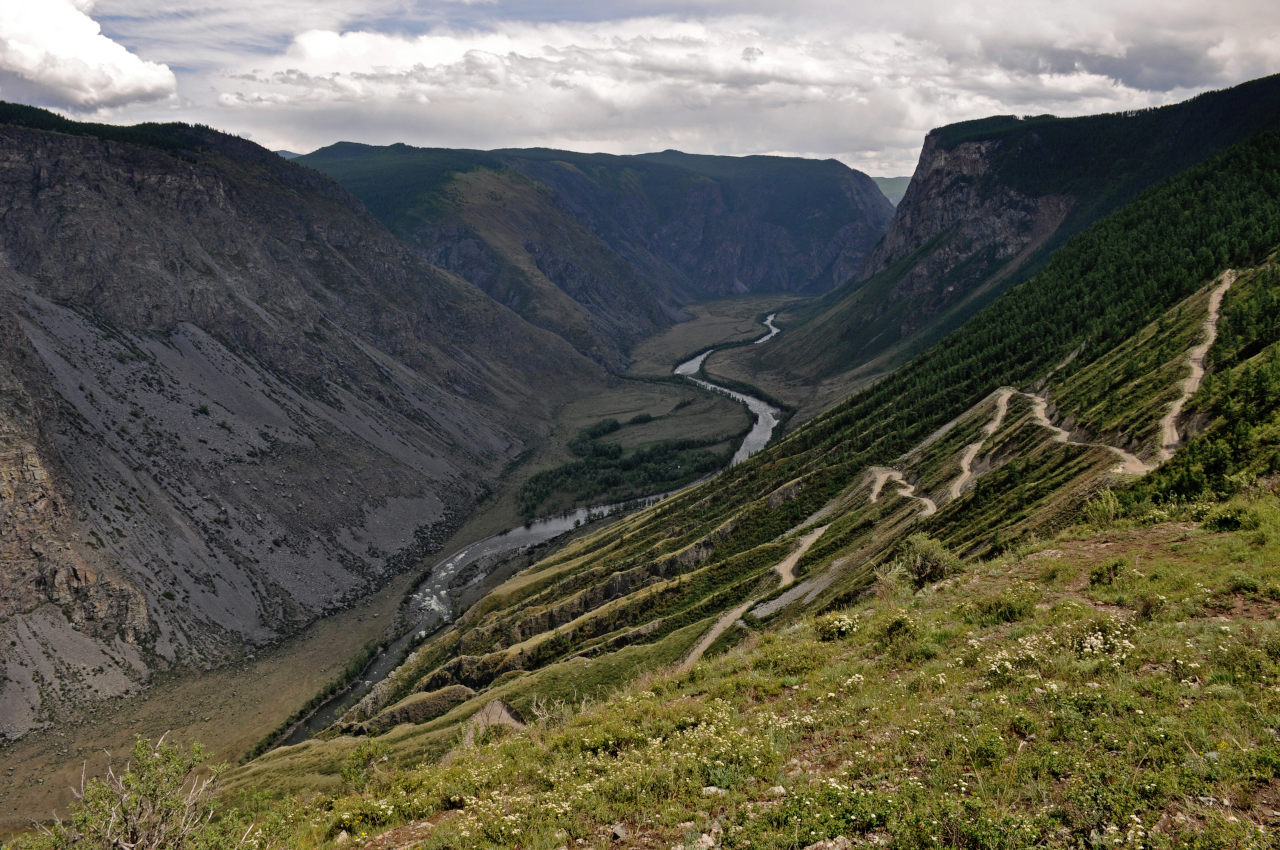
(231, 402)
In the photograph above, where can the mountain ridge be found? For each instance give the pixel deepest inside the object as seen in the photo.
(989, 202)
(604, 249)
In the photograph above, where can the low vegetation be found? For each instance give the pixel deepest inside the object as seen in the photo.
(161, 800)
(989, 709)
(606, 472)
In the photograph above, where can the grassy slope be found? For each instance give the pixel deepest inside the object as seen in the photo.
(990, 710)
(623, 578)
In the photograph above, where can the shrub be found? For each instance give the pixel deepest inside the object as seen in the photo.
(1008, 606)
(899, 627)
(159, 802)
(361, 762)
(1231, 518)
(1107, 572)
(1103, 509)
(835, 626)
(1102, 637)
(926, 560)
(1243, 583)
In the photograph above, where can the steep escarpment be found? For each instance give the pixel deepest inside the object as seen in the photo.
(718, 225)
(605, 249)
(229, 401)
(989, 203)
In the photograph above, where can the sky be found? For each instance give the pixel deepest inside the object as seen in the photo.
(860, 82)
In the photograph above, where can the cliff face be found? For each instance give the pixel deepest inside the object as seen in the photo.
(958, 227)
(603, 250)
(229, 401)
(988, 203)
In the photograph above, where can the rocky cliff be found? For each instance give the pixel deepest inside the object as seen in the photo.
(958, 227)
(990, 200)
(230, 400)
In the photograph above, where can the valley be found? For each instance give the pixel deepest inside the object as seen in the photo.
(246, 702)
(1004, 513)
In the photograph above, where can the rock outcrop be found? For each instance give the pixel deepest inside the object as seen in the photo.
(989, 202)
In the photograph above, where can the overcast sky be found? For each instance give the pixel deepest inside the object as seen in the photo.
(861, 82)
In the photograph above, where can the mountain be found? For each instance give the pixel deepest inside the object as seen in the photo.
(1020, 530)
(230, 401)
(893, 187)
(990, 202)
(938, 614)
(604, 250)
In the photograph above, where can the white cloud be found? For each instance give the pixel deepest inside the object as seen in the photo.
(733, 84)
(861, 82)
(53, 52)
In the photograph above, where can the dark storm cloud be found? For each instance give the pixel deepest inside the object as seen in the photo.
(1154, 66)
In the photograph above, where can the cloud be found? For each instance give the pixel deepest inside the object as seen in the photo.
(859, 82)
(738, 84)
(53, 53)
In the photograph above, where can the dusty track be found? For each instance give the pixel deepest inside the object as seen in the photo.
(882, 475)
(971, 451)
(786, 571)
(1169, 438)
(1130, 464)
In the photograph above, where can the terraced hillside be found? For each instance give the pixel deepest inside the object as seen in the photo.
(1032, 416)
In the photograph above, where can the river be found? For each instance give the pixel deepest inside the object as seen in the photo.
(767, 416)
(431, 603)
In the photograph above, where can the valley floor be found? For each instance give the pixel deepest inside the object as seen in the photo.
(241, 703)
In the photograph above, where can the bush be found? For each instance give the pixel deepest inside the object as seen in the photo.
(362, 762)
(1107, 572)
(898, 628)
(1243, 583)
(159, 802)
(1231, 518)
(835, 626)
(1008, 606)
(926, 560)
(1103, 509)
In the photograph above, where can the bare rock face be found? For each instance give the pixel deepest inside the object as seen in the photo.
(959, 234)
(229, 402)
(963, 229)
(990, 201)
